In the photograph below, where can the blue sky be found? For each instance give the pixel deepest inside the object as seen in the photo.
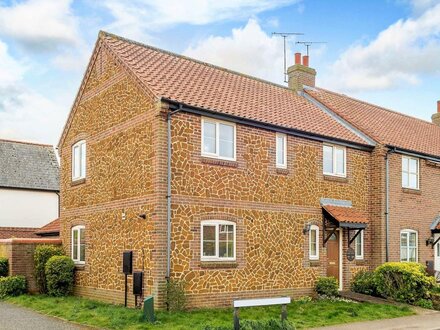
(385, 52)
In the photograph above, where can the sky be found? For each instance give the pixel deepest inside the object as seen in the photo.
(385, 52)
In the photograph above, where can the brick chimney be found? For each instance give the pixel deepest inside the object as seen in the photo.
(300, 74)
(436, 117)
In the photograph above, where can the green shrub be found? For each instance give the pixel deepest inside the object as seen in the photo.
(59, 276)
(424, 303)
(4, 267)
(257, 325)
(176, 298)
(12, 286)
(327, 286)
(41, 255)
(403, 281)
(364, 282)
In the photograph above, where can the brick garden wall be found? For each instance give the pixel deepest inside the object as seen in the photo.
(20, 254)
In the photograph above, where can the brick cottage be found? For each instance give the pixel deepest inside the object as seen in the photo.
(234, 185)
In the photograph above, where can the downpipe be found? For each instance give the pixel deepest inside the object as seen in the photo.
(387, 202)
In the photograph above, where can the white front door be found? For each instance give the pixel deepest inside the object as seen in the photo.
(437, 254)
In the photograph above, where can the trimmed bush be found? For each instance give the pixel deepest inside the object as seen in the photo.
(327, 286)
(41, 255)
(59, 276)
(364, 282)
(12, 286)
(176, 298)
(4, 267)
(403, 281)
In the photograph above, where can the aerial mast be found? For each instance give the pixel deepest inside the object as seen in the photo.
(286, 35)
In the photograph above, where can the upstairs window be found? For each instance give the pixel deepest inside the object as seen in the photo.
(78, 245)
(314, 243)
(281, 150)
(359, 246)
(408, 245)
(79, 160)
(334, 160)
(410, 172)
(218, 240)
(218, 139)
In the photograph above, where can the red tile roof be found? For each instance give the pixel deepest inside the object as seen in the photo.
(17, 232)
(383, 125)
(52, 227)
(346, 214)
(206, 86)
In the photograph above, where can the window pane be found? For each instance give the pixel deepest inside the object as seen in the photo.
(403, 240)
(313, 242)
(403, 254)
(412, 254)
(405, 179)
(83, 160)
(76, 161)
(412, 239)
(209, 241)
(280, 149)
(226, 141)
(413, 181)
(405, 164)
(226, 242)
(209, 137)
(328, 159)
(82, 252)
(358, 245)
(340, 161)
(75, 245)
(413, 165)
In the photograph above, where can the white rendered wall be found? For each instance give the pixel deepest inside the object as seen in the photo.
(27, 208)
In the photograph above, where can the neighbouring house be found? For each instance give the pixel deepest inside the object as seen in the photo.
(29, 184)
(234, 185)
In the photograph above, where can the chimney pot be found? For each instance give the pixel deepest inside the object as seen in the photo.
(297, 58)
(306, 60)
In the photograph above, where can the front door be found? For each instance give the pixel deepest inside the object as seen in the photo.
(333, 256)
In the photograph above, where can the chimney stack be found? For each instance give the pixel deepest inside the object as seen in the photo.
(436, 117)
(300, 74)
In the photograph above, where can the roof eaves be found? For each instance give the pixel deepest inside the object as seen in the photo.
(242, 120)
(338, 118)
(414, 153)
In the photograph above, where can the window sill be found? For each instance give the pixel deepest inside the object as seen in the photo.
(335, 178)
(80, 267)
(280, 170)
(77, 182)
(411, 191)
(360, 262)
(314, 263)
(221, 162)
(218, 264)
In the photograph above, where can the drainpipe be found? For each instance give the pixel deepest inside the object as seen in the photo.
(387, 202)
(169, 150)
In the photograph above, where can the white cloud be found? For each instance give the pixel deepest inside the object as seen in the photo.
(420, 6)
(399, 55)
(24, 113)
(40, 24)
(137, 16)
(248, 50)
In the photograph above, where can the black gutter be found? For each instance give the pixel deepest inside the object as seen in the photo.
(174, 105)
(30, 189)
(415, 153)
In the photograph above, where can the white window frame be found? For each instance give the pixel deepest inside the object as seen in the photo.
(360, 237)
(77, 260)
(82, 162)
(217, 224)
(316, 256)
(407, 186)
(335, 147)
(407, 232)
(217, 138)
(277, 149)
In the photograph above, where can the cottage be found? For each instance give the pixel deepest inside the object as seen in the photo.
(29, 186)
(236, 186)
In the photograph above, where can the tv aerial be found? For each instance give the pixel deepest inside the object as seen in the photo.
(286, 35)
(308, 44)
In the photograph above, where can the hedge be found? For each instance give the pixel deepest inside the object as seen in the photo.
(364, 282)
(404, 281)
(4, 267)
(12, 286)
(59, 276)
(41, 255)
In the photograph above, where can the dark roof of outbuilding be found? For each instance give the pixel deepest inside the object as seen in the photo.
(26, 165)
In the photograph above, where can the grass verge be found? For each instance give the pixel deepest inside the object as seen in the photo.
(303, 314)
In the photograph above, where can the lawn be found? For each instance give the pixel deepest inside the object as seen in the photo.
(303, 314)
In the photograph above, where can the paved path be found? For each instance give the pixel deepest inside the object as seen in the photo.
(18, 318)
(427, 321)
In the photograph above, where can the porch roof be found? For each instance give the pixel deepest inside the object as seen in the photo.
(346, 217)
(435, 225)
